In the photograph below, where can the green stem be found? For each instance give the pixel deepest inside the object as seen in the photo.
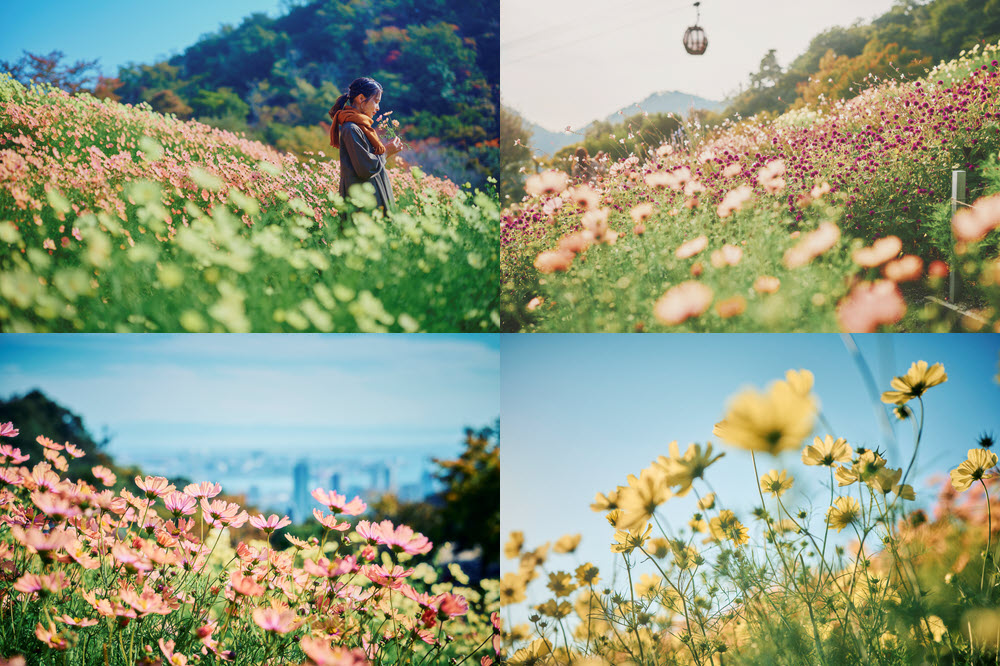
(989, 533)
(635, 622)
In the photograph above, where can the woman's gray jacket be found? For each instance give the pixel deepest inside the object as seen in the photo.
(359, 164)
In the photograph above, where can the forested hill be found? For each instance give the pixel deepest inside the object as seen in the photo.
(841, 62)
(276, 78)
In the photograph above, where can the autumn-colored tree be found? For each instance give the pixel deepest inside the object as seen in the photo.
(840, 77)
(167, 101)
(105, 88)
(50, 69)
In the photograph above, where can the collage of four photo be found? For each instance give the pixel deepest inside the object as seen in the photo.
(276, 274)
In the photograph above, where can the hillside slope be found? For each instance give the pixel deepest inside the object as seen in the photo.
(117, 218)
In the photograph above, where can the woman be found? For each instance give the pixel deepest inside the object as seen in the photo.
(583, 168)
(362, 155)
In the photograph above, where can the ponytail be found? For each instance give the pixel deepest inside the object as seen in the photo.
(339, 104)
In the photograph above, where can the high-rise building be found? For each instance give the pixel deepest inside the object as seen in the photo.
(300, 491)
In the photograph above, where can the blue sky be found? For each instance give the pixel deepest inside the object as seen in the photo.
(119, 31)
(582, 412)
(303, 392)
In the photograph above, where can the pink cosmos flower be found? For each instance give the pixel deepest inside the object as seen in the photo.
(173, 658)
(154, 486)
(870, 305)
(51, 637)
(52, 583)
(728, 255)
(547, 182)
(180, 504)
(731, 170)
(220, 513)
(906, 268)
(75, 621)
(321, 654)
(271, 523)
(41, 542)
(679, 303)
(391, 578)
(812, 245)
(104, 475)
(330, 522)
(203, 489)
(10, 454)
(278, 618)
(766, 284)
(324, 568)
(338, 503)
(691, 247)
(74, 451)
(146, 603)
(452, 605)
(880, 252)
(246, 585)
(404, 539)
(52, 504)
(550, 261)
(972, 224)
(641, 212)
(47, 443)
(8, 430)
(734, 200)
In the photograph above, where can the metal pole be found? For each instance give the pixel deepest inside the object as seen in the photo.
(957, 198)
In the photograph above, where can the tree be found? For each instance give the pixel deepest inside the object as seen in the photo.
(167, 101)
(768, 73)
(50, 69)
(515, 155)
(840, 77)
(34, 415)
(219, 104)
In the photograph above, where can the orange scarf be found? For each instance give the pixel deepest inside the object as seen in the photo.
(352, 115)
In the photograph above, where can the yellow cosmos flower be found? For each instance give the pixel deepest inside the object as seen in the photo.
(776, 484)
(864, 469)
(772, 422)
(512, 589)
(512, 548)
(681, 470)
(885, 480)
(707, 503)
(567, 543)
(613, 517)
(587, 574)
(973, 469)
(561, 584)
(628, 540)
(727, 526)
(555, 610)
(827, 451)
(686, 556)
(533, 655)
(607, 502)
(698, 524)
(845, 510)
(647, 585)
(918, 379)
(658, 547)
(638, 500)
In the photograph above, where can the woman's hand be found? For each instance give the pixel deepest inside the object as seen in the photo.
(394, 146)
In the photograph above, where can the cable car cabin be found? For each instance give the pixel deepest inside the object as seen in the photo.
(695, 41)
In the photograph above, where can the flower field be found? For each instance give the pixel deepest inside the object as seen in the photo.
(115, 218)
(851, 571)
(103, 576)
(832, 217)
